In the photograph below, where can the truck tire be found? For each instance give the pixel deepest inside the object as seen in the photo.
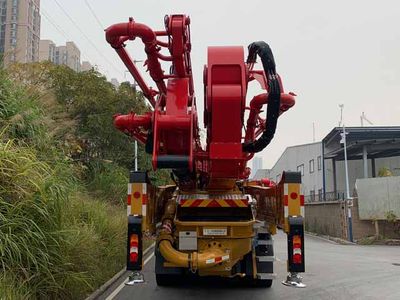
(264, 267)
(166, 276)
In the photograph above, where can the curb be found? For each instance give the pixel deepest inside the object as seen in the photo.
(332, 240)
(117, 276)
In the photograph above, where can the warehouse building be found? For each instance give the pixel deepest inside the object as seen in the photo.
(370, 151)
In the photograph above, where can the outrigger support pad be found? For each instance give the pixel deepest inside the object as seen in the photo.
(294, 280)
(135, 278)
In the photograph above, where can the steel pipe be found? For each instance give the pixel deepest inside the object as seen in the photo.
(194, 260)
(256, 104)
(117, 34)
(132, 121)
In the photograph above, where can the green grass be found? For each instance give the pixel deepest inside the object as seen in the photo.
(107, 181)
(96, 241)
(55, 241)
(62, 225)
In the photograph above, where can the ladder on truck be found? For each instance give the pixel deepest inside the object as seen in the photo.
(282, 205)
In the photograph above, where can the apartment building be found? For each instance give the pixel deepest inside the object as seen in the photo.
(47, 51)
(19, 30)
(86, 66)
(68, 54)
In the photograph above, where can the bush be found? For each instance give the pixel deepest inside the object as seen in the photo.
(108, 181)
(57, 241)
(52, 244)
(32, 200)
(20, 116)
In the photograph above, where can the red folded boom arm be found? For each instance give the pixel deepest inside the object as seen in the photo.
(171, 131)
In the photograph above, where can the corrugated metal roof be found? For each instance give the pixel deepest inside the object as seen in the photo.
(382, 141)
(365, 133)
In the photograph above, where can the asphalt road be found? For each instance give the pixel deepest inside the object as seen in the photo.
(333, 271)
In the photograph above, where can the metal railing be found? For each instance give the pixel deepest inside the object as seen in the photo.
(330, 196)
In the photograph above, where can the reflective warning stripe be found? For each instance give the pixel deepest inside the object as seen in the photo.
(286, 207)
(129, 200)
(137, 199)
(213, 202)
(217, 259)
(302, 206)
(285, 189)
(212, 196)
(293, 202)
(293, 196)
(144, 199)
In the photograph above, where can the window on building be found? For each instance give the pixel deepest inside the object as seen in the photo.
(312, 195)
(311, 165)
(319, 163)
(301, 169)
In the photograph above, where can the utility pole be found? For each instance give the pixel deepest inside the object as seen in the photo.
(313, 132)
(341, 114)
(134, 88)
(348, 198)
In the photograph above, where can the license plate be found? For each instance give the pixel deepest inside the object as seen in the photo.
(215, 231)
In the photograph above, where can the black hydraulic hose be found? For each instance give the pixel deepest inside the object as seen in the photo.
(274, 95)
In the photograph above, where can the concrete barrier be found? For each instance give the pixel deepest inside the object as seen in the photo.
(329, 218)
(325, 218)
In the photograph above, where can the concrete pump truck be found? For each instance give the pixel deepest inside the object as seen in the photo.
(213, 221)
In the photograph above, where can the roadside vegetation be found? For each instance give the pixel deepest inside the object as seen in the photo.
(63, 175)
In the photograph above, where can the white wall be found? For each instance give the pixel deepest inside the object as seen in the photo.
(356, 170)
(295, 156)
(378, 196)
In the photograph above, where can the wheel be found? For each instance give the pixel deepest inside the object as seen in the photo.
(164, 276)
(265, 267)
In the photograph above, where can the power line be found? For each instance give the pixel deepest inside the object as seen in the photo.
(94, 14)
(58, 28)
(85, 36)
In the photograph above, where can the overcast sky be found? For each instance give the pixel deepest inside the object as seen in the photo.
(327, 52)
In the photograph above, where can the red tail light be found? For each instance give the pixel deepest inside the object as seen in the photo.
(133, 257)
(297, 255)
(134, 248)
